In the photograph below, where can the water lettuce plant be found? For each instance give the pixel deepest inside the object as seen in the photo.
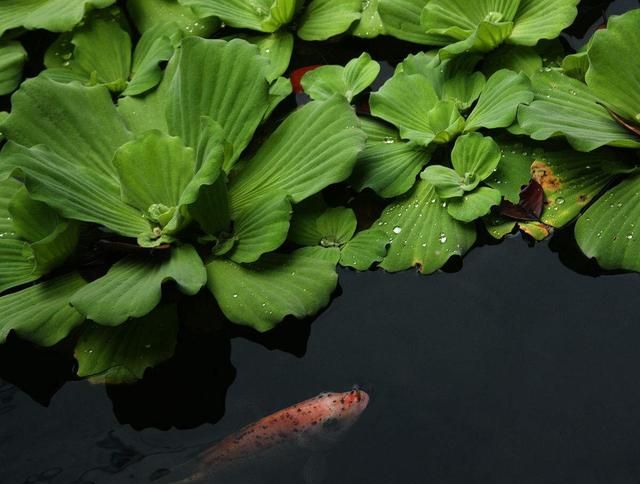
(603, 109)
(177, 191)
(148, 165)
(428, 104)
(483, 25)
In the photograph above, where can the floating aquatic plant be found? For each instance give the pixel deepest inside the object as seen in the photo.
(144, 166)
(176, 188)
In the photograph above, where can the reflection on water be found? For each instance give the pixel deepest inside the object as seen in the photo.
(519, 368)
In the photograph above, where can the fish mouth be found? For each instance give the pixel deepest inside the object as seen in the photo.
(357, 397)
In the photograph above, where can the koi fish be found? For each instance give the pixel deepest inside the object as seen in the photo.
(310, 426)
(297, 75)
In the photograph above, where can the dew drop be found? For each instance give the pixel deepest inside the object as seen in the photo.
(442, 238)
(397, 230)
(560, 200)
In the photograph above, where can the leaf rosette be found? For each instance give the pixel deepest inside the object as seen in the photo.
(167, 172)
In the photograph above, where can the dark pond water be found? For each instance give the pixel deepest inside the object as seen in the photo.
(521, 366)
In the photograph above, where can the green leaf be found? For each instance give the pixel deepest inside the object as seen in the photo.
(315, 224)
(478, 26)
(211, 76)
(52, 251)
(133, 286)
(542, 19)
(12, 59)
(482, 25)
(304, 227)
(473, 205)
(78, 123)
(486, 37)
(475, 157)
(401, 19)
(564, 106)
(211, 210)
(459, 18)
(52, 113)
(154, 169)
(499, 227)
(447, 182)
(278, 48)
(147, 14)
(608, 232)
(445, 122)
(154, 47)
(370, 24)
(405, 101)
(453, 79)
(262, 15)
(498, 105)
(389, 168)
(337, 226)
(313, 148)
(461, 84)
(576, 65)
(77, 192)
(8, 189)
(52, 239)
(516, 58)
(102, 53)
(365, 249)
(261, 295)
(329, 254)
(121, 355)
(30, 220)
(611, 76)
(158, 176)
(326, 81)
(571, 180)
(323, 19)
(422, 233)
(41, 313)
(17, 262)
(53, 15)
(148, 112)
(513, 171)
(261, 228)
(17, 266)
(280, 89)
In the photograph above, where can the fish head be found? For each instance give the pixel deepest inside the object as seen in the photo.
(354, 403)
(337, 413)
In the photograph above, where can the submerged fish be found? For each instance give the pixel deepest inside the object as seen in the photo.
(310, 426)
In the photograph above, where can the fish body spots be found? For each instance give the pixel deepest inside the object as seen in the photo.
(309, 424)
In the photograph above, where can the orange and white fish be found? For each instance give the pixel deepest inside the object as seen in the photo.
(310, 426)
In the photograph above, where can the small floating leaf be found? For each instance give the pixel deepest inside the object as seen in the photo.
(608, 231)
(133, 286)
(422, 233)
(260, 295)
(41, 313)
(121, 355)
